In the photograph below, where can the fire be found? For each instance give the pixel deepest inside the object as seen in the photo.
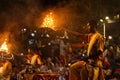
(4, 46)
(49, 21)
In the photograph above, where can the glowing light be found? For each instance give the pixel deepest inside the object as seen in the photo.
(24, 30)
(69, 64)
(1, 70)
(49, 21)
(110, 37)
(32, 34)
(101, 20)
(4, 46)
(106, 17)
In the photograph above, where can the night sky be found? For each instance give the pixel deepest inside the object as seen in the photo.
(8, 4)
(29, 12)
(16, 12)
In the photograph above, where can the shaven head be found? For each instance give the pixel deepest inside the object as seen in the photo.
(92, 26)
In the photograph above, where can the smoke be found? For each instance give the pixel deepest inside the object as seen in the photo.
(16, 14)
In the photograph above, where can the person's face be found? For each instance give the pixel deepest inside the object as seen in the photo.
(91, 28)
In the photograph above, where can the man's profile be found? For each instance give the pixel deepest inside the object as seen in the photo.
(92, 68)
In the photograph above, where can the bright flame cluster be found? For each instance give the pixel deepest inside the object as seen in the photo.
(4, 46)
(48, 21)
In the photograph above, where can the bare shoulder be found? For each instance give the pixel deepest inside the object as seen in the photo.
(100, 35)
(78, 64)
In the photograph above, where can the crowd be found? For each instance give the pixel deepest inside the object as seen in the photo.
(56, 65)
(33, 63)
(71, 64)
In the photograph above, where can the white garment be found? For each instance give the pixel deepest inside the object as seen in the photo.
(61, 78)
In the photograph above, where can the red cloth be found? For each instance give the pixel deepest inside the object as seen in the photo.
(63, 59)
(117, 70)
(107, 63)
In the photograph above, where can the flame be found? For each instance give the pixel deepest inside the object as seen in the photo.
(49, 21)
(4, 46)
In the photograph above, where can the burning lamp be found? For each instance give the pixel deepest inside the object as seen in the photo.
(4, 47)
(4, 51)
